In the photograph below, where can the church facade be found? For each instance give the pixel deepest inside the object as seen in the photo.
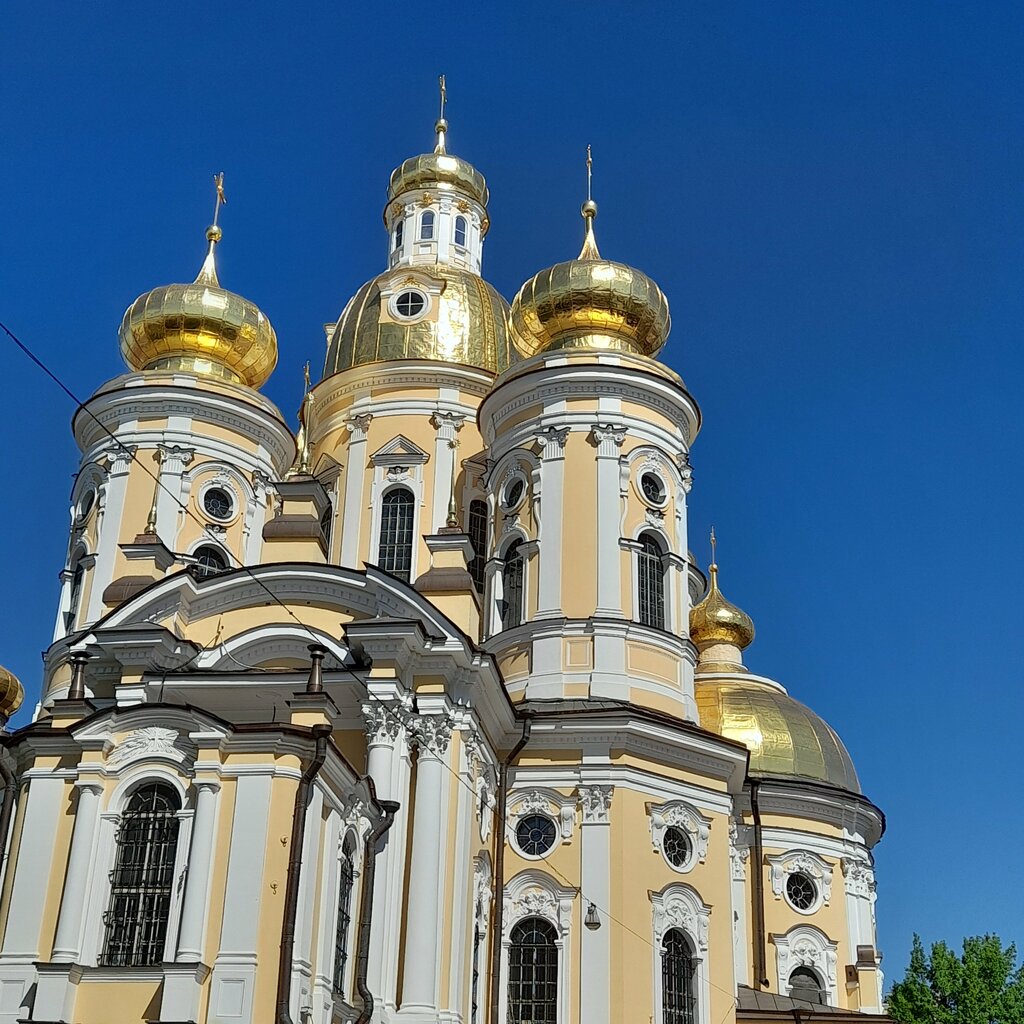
(426, 713)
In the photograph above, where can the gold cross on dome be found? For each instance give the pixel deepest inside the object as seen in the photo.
(221, 200)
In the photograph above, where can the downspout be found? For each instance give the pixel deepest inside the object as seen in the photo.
(390, 809)
(498, 914)
(757, 895)
(321, 733)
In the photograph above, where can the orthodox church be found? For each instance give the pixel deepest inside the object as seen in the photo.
(426, 713)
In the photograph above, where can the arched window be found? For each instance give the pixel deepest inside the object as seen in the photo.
(427, 226)
(651, 582)
(325, 526)
(477, 530)
(143, 878)
(804, 984)
(533, 973)
(75, 596)
(394, 554)
(399, 235)
(511, 604)
(345, 887)
(460, 231)
(677, 971)
(209, 560)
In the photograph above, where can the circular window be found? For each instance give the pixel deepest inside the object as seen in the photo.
(410, 304)
(217, 503)
(514, 491)
(535, 835)
(86, 504)
(209, 560)
(676, 845)
(653, 488)
(801, 891)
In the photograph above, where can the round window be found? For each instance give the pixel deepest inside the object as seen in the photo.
(535, 835)
(514, 491)
(676, 844)
(653, 488)
(209, 560)
(217, 503)
(410, 304)
(801, 891)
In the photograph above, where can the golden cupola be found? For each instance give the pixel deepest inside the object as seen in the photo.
(719, 629)
(12, 693)
(590, 303)
(200, 327)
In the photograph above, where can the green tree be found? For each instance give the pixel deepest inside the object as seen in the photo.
(982, 986)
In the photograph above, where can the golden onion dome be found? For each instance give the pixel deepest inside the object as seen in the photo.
(438, 170)
(785, 738)
(200, 328)
(12, 693)
(463, 320)
(718, 621)
(590, 303)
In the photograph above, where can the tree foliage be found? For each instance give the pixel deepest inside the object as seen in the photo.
(984, 985)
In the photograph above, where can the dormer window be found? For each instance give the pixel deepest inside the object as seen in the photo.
(399, 235)
(461, 227)
(427, 226)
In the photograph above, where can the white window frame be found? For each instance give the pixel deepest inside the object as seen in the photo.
(680, 906)
(679, 814)
(532, 893)
(804, 862)
(497, 578)
(105, 855)
(806, 946)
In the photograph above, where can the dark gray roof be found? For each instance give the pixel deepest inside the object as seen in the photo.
(752, 999)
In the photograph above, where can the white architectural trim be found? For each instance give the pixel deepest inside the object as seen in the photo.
(549, 802)
(806, 946)
(816, 868)
(679, 814)
(680, 906)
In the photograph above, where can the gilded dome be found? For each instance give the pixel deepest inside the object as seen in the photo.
(590, 303)
(718, 621)
(12, 693)
(785, 738)
(200, 327)
(463, 320)
(440, 170)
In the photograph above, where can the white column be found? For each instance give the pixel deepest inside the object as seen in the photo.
(446, 444)
(739, 854)
(302, 957)
(353, 514)
(68, 941)
(552, 478)
(121, 457)
(197, 888)
(608, 437)
(420, 983)
(387, 763)
(172, 463)
(595, 884)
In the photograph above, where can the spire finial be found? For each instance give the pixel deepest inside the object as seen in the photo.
(442, 125)
(589, 211)
(151, 518)
(453, 506)
(714, 545)
(208, 271)
(302, 438)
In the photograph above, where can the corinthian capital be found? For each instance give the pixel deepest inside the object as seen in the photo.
(432, 733)
(384, 721)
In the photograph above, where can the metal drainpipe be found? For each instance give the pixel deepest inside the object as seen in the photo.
(498, 915)
(757, 878)
(390, 808)
(321, 733)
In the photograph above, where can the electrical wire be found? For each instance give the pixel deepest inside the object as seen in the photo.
(385, 705)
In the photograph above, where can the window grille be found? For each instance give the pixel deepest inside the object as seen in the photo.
(427, 226)
(460, 231)
(142, 880)
(533, 973)
(651, 579)
(325, 527)
(345, 887)
(677, 971)
(477, 530)
(395, 552)
(474, 992)
(74, 599)
(511, 604)
(209, 560)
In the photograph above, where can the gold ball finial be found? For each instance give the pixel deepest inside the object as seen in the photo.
(12, 693)
(214, 233)
(589, 209)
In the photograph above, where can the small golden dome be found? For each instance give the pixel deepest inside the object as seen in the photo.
(440, 171)
(465, 321)
(200, 328)
(717, 621)
(590, 303)
(12, 693)
(785, 738)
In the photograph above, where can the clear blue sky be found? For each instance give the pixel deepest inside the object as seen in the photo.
(829, 194)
